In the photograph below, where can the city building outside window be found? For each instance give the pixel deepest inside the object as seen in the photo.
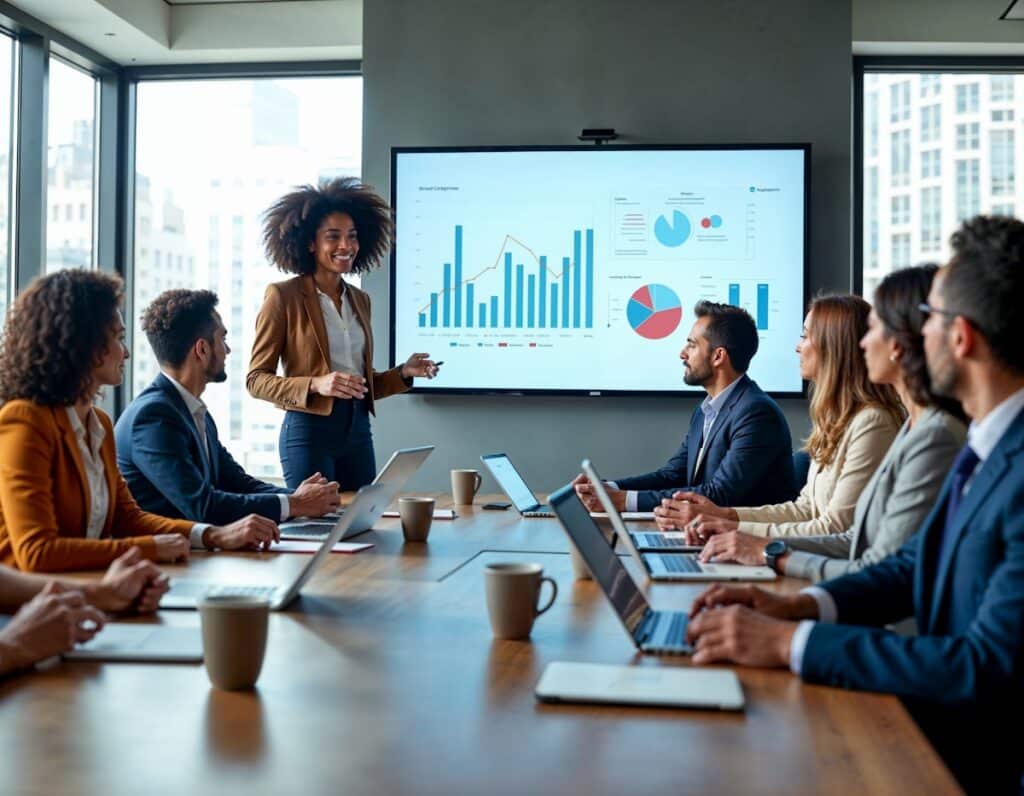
(6, 151)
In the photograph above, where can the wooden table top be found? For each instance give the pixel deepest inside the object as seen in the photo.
(384, 678)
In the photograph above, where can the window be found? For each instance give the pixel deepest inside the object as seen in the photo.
(249, 142)
(899, 101)
(967, 98)
(968, 136)
(967, 189)
(1001, 162)
(872, 192)
(871, 123)
(900, 210)
(930, 123)
(931, 163)
(931, 85)
(6, 151)
(70, 177)
(900, 157)
(900, 251)
(1002, 88)
(1002, 116)
(931, 219)
(1005, 209)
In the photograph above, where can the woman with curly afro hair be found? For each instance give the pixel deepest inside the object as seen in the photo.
(317, 327)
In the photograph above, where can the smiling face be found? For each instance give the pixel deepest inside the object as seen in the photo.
(336, 244)
(110, 371)
(881, 353)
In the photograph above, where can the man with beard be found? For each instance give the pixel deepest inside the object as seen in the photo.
(961, 575)
(167, 444)
(738, 451)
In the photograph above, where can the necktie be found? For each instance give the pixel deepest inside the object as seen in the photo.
(963, 467)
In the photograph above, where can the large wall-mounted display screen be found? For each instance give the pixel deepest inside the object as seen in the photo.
(577, 269)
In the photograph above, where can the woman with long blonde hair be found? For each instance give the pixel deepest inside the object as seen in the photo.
(853, 423)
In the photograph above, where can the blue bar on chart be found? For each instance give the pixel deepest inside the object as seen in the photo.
(565, 293)
(762, 306)
(519, 296)
(446, 296)
(542, 291)
(554, 306)
(494, 312)
(458, 276)
(734, 294)
(483, 315)
(531, 287)
(423, 320)
(590, 279)
(433, 310)
(508, 290)
(469, 304)
(576, 279)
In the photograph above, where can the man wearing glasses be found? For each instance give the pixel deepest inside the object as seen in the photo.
(961, 576)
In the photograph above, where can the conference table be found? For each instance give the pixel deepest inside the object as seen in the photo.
(384, 678)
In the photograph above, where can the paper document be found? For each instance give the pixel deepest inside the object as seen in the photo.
(305, 546)
(627, 516)
(439, 514)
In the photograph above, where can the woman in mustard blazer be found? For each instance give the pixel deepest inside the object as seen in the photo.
(317, 326)
(63, 503)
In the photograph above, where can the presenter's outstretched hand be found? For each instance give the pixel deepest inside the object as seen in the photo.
(249, 533)
(314, 497)
(419, 366)
(339, 385)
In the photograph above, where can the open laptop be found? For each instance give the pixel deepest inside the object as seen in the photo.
(513, 485)
(674, 565)
(673, 541)
(393, 476)
(651, 631)
(370, 502)
(650, 686)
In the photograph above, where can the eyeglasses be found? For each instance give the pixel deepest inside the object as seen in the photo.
(927, 309)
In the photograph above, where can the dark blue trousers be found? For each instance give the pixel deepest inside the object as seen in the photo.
(338, 445)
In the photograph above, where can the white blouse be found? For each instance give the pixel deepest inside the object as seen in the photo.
(95, 472)
(346, 341)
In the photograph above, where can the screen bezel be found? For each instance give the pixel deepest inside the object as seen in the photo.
(684, 390)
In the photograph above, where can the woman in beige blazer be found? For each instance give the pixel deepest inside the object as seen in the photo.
(316, 326)
(905, 486)
(853, 423)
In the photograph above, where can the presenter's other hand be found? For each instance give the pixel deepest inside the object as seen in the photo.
(733, 546)
(419, 366)
(703, 527)
(314, 497)
(737, 634)
(249, 533)
(586, 493)
(779, 606)
(339, 385)
(50, 623)
(130, 582)
(171, 547)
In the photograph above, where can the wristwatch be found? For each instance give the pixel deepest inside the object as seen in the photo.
(775, 550)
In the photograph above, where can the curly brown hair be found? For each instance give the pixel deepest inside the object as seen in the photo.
(56, 334)
(291, 223)
(175, 320)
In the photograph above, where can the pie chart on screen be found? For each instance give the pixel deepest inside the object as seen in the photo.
(654, 311)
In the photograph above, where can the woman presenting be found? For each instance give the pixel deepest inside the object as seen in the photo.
(317, 326)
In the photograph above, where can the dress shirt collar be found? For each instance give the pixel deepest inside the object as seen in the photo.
(712, 406)
(96, 432)
(983, 435)
(192, 403)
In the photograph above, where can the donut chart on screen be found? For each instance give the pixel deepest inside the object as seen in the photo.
(654, 311)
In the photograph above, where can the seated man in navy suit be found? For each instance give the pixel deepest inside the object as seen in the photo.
(167, 444)
(738, 451)
(961, 576)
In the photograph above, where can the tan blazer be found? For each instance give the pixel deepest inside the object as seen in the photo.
(828, 500)
(44, 496)
(290, 329)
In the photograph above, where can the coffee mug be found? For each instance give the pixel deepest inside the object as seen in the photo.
(512, 594)
(580, 570)
(417, 513)
(465, 484)
(234, 639)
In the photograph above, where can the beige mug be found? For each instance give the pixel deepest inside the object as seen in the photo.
(417, 513)
(512, 594)
(465, 485)
(234, 639)
(580, 570)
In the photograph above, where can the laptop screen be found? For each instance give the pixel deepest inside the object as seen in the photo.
(605, 566)
(511, 483)
(402, 464)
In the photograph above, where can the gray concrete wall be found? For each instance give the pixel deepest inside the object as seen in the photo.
(483, 72)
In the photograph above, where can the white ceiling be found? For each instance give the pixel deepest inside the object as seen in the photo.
(147, 32)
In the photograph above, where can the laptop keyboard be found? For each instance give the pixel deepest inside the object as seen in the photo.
(657, 540)
(314, 531)
(675, 630)
(681, 563)
(539, 513)
(198, 588)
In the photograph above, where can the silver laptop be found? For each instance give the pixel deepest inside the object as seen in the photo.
(146, 643)
(651, 631)
(651, 686)
(513, 485)
(645, 541)
(672, 566)
(369, 504)
(393, 475)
